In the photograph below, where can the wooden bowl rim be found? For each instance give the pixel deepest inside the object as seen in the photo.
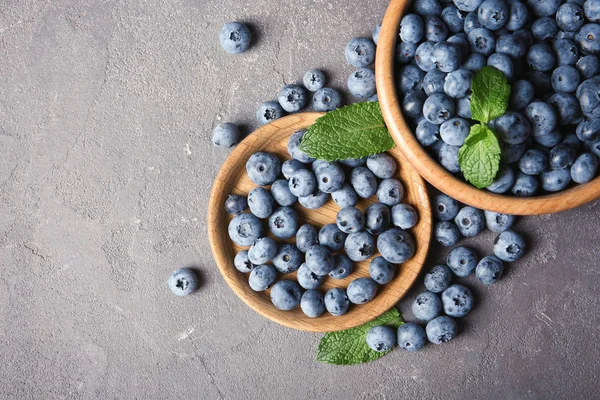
(429, 168)
(238, 281)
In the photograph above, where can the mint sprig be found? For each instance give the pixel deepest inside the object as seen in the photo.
(354, 131)
(479, 156)
(350, 346)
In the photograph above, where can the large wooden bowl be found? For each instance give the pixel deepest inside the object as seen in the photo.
(429, 168)
(232, 178)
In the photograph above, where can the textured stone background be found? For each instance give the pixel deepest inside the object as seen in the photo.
(106, 109)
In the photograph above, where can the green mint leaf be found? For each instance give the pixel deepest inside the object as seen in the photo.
(479, 156)
(490, 92)
(353, 131)
(350, 346)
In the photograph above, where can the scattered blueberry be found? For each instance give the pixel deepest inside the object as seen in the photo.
(446, 233)
(263, 168)
(313, 80)
(411, 337)
(262, 251)
(462, 261)
(396, 245)
(288, 258)
(381, 271)
(336, 302)
(261, 203)
(183, 282)
(312, 303)
(361, 290)
(445, 208)
(350, 219)
(377, 218)
(308, 279)
(381, 338)
(286, 295)
(359, 246)
(498, 222)
(235, 37)
(404, 216)
(269, 111)
(438, 279)
(320, 260)
(470, 221)
(235, 204)
(292, 98)
(262, 277)
(245, 229)
(326, 99)
(489, 270)
(283, 223)
(441, 330)
(390, 192)
(345, 197)
(427, 306)
(332, 237)
(509, 246)
(457, 300)
(343, 267)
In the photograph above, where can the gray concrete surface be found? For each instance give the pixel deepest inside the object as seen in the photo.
(106, 109)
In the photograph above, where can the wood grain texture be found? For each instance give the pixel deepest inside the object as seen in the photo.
(232, 178)
(429, 168)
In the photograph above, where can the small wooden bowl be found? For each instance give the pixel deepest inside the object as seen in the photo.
(429, 168)
(232, 178)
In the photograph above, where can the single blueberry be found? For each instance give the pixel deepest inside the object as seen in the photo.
(518, 15)
(263, 168)
(359, 246)
(283, 223)
(458, 83)
(354, 162)
(390, 192)
(423, 60)
(471, 21)
(332, 237)
(503, 181)
(512, 153)
(377, 218)
(306, 237)
(541, 57)
(544, 8)
(562, 156)
(567, 108)
(512, 127)
(470, 221)
(183, 282)
(293, 147)
(292, 98)
(336, 301)
(269, 111)
(445, 207)
(316, 199)
(489, 270)
(412, 104)
(381, 271)
(438, 279)
(360, 52)
(503, 63)
(426, 306)
(302, 183)
(226, 135)
(511, 45)
(591, 10)
(438, 108)
(382, 165)
(261, 203)
(330, 177)
(569, 17)
(446, 56)
(345, 197)
(457, 300)
(364, 182)
(525, 185)
(396, 245)
(410, 78)
(319, 259)
(588, 94)
(235, 37)
(542, 118)
(286, 295)
(509, 246)
(584, 168)
(313, 80)
(412, 29)
(453, 18)
(555, 180)
(245, 229)
(288, 258)
(446, 233)
(441, 330)
(455, 131)
(468, 5)
(544, 28)
(262, 277)
(375, 35)
(588, 39)
(474, 62)
(521, 94)
(588, 66)
(242, 263)
(411, 337)
(343, 267)
(404, 216)
(427, 133)
(361, 290)
(326, 99)
(281, 193)
(312, 303)
(262, 251)
(308, 279)
(493, 14)
(498, 222)
(350, 219)
(482, 40)
(235, 204)
(462, 261)
(435, 29)
(361, 83)
(565, 78)
(381, 338)
(433, 82)
(427, 7)
(566, 51)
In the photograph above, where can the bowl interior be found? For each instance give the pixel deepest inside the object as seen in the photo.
(429, 168)
(232, 178)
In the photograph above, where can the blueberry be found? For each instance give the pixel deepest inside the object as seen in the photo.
(482, 40)
(330, 177)
(354, 162)
(565, 78)
(262, 277)
(382, 165)
(525, 185)
(584, 168)
(261, 203)
(343, 267)
(470, 221)
(427, 133)
(281, 193)
(438, 108)
(269, 111)
(235, 37)
(493, 14)
(390, 192)
(336, 302)
(462, 261)
(474, 62)
(262, 251)
(410, 79)
(283, 223)
(588, 94)
(448, 157)
(316, 199)
(458, 83)
(360, 52)
(313, 80)
(498, 222)
(540, 81)
(503, 181)
(503, 63)
(541, 57)
(426, 306)
(543, 8)
(412, 104)
(427, 7)
(521, 94)
(509, 246)
(455, 131)
(183, 282)
(412, 29)
(286, 295)
(326, 99)
(457, 300)
(373, 98)
(569, 17)
(381, 271)
(423, 60)
(544, 28)
(471, 21)
(312, 303)
(319, 259)
(533, 162)
(245, 229)
(588, 39)
(468, 5)
(567, 108)
(441, 330)
(446, 56)
(489, 270)
(292, 98)
(361, 83)
(225, 135)
(542, 118)
(561, 156)
(445, 208)
(591, 9)
(594, 148)
(396, 245)
(332, 237)
(359, 246)
(375, 35)
(405, 53)
(438, 279)
(242, 263)
(510, 45)
(381, 338)
(411, 337)
(302, 183)
(512, 153)
(524, 34)
(453, 18)
(364, 182)
(512, 127)
(446, 233)
(263, 168)
(433, 82)
(549, 139)
(518, 16)
(555, 180)
(588, 66)
(377, 218)
(308, 279)
(435, 29)
(235, 204)
(350, 219)
(288, 258)
(566, 51)
(361, 290)
(306, 237)
(293, 148)
(404, 216)
(345, 197)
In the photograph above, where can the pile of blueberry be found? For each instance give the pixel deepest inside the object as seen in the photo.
(547, 49)
(442, 296)
(327, 253)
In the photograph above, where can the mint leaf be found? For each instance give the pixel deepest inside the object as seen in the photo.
(350, 346)
(490, 92)
(353, 131)
(479, 156)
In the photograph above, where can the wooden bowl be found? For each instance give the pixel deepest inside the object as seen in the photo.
(429, 168)
(232, 178)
